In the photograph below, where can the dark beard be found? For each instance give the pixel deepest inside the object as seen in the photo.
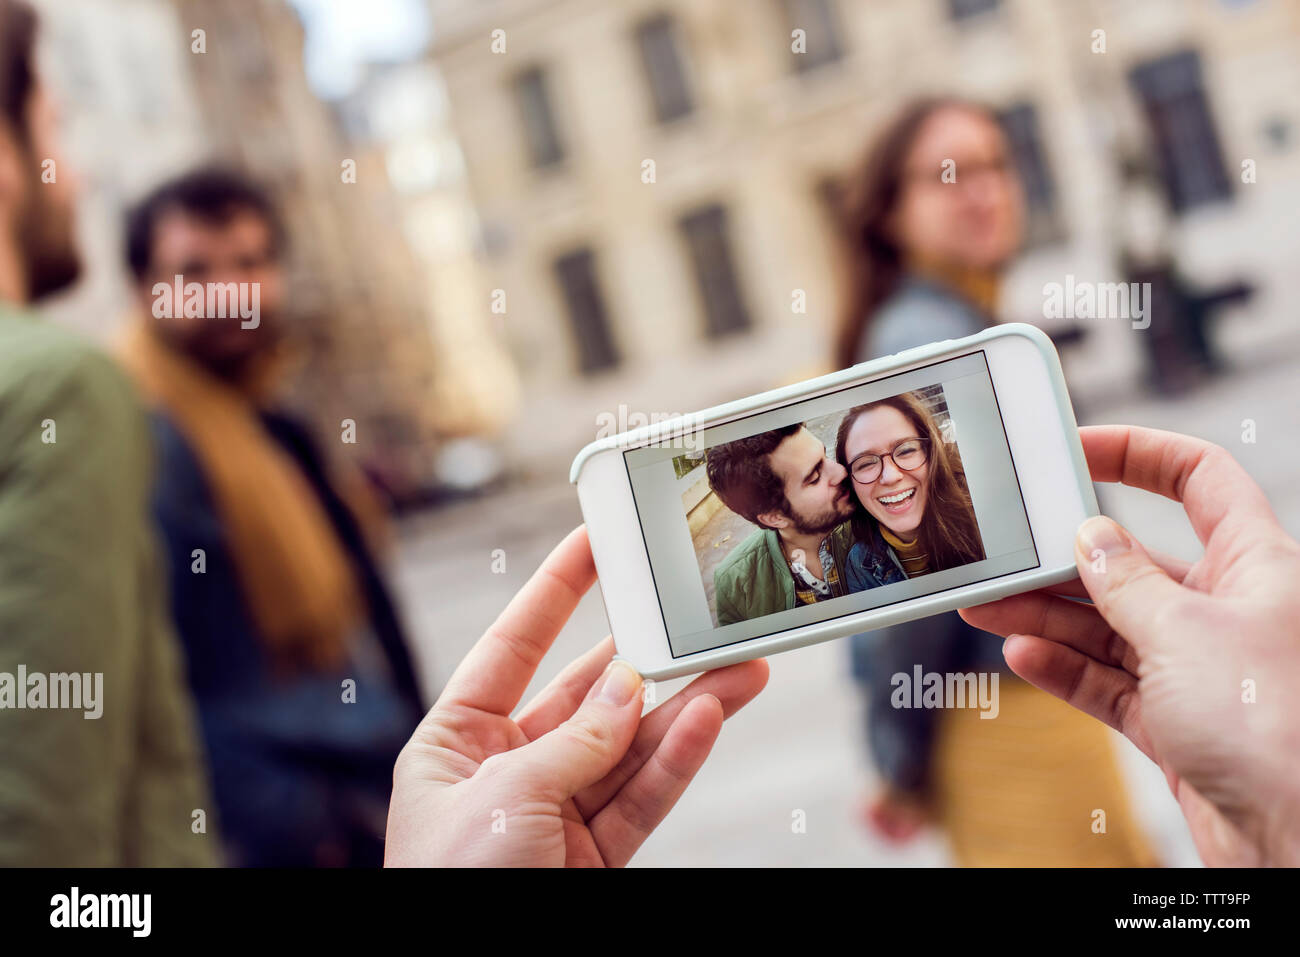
(50, 246)
(819, 526)
(48, 275)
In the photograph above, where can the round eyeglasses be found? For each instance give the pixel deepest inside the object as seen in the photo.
(908, 455)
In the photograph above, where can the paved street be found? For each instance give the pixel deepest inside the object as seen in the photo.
(797, 747)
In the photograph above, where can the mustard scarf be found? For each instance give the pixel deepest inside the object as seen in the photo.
(915, 562)
(296, 578)
(979, 287)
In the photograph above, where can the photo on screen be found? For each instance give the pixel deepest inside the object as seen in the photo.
(879, 487)
(859, 498)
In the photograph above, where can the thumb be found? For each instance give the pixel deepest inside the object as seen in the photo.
(1130, 590)
(590, 744)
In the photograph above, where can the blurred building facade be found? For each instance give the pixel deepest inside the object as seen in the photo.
(398, 117)
(130, 117)
(655, 178)
(357, 285)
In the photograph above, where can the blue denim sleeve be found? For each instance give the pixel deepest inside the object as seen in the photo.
(854, 572)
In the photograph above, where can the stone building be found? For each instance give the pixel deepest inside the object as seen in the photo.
(398, 116)
(652, 177)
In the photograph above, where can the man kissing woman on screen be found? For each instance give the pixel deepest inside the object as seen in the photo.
(891, 505)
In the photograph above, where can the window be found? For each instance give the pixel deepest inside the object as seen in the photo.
(1020, 123)
(534, 99)
(816, 18)
(657, 40)
(1178, 114)
(707, 241)
(588, 320)
(966, 9)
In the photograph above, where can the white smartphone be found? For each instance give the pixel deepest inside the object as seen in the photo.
(914, 484)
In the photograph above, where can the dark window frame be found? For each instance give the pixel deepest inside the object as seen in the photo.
(822, 30)
(1172, 95)
(966, 11)
(1019, 122)
(578, 275)
(531, 89)
(659, 44)
(706, 233)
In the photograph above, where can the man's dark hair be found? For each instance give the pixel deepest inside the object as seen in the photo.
(213, 194)
(17, 63)
(740, 472)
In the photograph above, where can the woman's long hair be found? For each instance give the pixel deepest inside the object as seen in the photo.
(873, 261)
(948, 532)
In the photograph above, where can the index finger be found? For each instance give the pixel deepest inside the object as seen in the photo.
(1209, 482)
(493, 676)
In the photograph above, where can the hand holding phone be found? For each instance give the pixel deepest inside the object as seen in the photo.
(1194, 663)
(577, 777)
(900, 488)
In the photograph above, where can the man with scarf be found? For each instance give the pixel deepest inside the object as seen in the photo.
(304, 683)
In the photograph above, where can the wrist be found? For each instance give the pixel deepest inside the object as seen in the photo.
(1280, 826)
(1271, 821)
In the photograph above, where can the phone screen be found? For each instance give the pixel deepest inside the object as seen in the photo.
(871, 495)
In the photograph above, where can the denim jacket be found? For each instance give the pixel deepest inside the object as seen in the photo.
(872, 564)
(295, 776)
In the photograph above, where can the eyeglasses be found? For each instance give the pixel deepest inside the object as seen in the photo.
(962, 172)
(908, 455)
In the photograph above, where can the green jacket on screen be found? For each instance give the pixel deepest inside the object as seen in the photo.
(80, 593)
(754, 580)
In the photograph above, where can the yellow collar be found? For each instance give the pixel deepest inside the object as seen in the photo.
(977, 286)
(897, 543)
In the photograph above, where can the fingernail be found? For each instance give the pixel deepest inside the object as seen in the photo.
(619, 683)
(1099, 533)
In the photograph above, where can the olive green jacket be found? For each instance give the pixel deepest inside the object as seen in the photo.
(80, 592)
(755, 580)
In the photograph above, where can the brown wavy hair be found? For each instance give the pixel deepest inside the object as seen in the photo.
(740, 473)
(872, 258)
(948, 532)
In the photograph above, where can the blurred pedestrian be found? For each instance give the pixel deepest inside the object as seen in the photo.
(934, 216)
(100, 763)
(304, 681)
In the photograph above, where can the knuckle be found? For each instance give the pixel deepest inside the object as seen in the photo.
(590, 733)
(1125, 706)
(674, 770)
(1127, 582)
(1117, 649)
(638, 812)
